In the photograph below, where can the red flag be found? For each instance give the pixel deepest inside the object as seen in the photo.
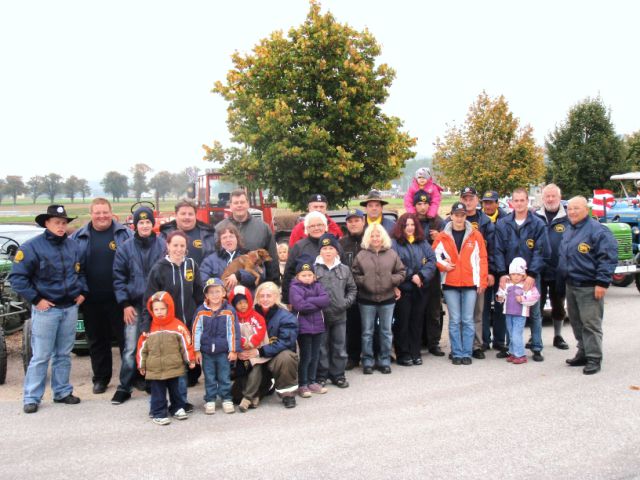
(602, 198)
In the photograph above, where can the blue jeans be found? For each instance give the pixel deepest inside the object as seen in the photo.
(460, 304)
(368, 315)
(515, 327)
(309, 357)
(217, 376)
(53, 333)
(159, 397)
(128, 367)
(535, 320)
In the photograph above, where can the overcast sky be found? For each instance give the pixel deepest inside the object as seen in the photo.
(87, 87)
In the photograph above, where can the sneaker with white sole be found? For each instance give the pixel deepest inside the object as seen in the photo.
(304, 391)
(210, 408)
(161, 421)
(227, 407)
(181, 414)
(245, 404)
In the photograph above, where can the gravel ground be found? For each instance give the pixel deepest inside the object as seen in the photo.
(490, 419)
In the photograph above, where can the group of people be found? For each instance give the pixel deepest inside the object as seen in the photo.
(324, 305)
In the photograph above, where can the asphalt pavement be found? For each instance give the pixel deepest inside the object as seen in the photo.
(488, 420)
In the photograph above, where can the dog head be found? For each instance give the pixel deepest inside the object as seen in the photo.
(260, 256)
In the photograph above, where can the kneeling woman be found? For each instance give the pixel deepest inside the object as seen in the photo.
(461, 256)
(377, 271)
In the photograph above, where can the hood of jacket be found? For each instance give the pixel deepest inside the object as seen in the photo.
(242, 290)
(168, 301)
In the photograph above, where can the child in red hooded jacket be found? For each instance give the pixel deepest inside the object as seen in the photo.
(162, 355)
(253, 334)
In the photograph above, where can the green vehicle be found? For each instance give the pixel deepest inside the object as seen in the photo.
(627, 267)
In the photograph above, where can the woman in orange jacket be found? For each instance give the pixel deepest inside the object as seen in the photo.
(461, 257)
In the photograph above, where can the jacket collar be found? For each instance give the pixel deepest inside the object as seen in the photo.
(560, 214)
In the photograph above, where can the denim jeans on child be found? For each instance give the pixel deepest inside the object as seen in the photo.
(460, 304)
(159, 397)
(309, 357)
(515, 327)
(368, 315)
(128, 367)
(217, 376)
(53, 333)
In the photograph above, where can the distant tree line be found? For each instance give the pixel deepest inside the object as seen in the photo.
(113, 183)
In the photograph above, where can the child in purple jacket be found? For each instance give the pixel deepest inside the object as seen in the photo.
(516, 308)
(308, 297)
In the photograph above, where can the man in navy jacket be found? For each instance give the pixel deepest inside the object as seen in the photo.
(48, 271)
(588, 259)
(523, 234)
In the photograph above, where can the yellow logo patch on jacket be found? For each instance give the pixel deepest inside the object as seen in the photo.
(559, 228)
(531, 243)
(112, 245)
(197, 243)
(77, 267)
(19, 256)
(584, 248)
(188, 275)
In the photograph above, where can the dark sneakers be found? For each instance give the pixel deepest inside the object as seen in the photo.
(188, 407)
(559, 342)
(456, 361)
(385, 370)
(351, 364)
(502, 354)
(120, 397)
(479, 354)
(592, 366)
(466, 361)
(68, 400)
(577, 361)
(367, 370)
(537, 357)
(340, 382)
(436, 351)
(289, 402)
(30, 408)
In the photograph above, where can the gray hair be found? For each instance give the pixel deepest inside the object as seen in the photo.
(314, 215)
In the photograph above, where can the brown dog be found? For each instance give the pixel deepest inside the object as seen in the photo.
(251, 262)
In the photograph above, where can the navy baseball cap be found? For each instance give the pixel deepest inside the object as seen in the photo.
(421, 196)
(468, 191)
(490, 196)
(458, 207)
(354, 212)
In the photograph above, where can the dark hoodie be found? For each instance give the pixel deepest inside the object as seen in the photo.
(181, 282)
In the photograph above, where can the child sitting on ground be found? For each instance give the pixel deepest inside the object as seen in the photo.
(423, 181)
(337, 280)
(516, 308)
(216, 339)
(162, 354)
(308, 297)
(253, 334)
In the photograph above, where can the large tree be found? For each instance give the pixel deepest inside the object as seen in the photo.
(116, 184)
(632, 151)
(15, 187)
(139, 184)
(184, 181)
(52, 185)
(305, 110)
(72, 187)
(490, 151)
(584, 150)
(84, 189)
(162, 183)
(36, 187)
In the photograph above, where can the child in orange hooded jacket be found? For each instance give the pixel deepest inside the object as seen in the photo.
(162, 355)
(253, 334)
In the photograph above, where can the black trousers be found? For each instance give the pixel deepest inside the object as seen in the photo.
(409, 320)
(354, 333)
(103, 322)
(433, 314)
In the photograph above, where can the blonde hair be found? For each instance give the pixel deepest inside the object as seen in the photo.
(274, 288)
(366, 238)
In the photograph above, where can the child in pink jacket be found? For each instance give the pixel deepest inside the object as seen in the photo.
(423, 181)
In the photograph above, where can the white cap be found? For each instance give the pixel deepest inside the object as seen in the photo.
(518, 265)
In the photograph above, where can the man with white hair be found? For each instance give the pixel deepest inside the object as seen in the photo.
(555, 218)
(588, 256)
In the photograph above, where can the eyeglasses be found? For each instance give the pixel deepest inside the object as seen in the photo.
(317, 225)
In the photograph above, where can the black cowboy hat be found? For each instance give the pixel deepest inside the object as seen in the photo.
(53, 211)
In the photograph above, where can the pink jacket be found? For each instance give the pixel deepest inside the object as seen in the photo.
(433, 189)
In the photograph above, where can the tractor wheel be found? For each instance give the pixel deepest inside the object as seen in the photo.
(621, 280)
(3, 357)
(27, 353)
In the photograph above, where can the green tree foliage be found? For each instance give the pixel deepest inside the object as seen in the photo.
(14, 187)
(84, 189)
(632, 151)
(490, 151)
(36, 187)
(52, 185)
(3, 188)
(183, 182)
(72, 187)
(139, 184)
(306, 112)
(116, 184)
(162, 183)
(584, 151)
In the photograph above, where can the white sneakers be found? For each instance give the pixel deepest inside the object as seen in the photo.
(227, 407)
(162, 421)
(181, 414)
(210, 408)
